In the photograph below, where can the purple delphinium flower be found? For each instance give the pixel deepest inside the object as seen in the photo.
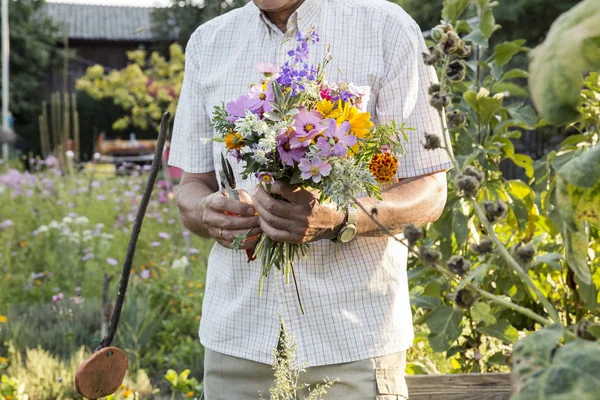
(237, 108)
(306, 126)
(287, 153)
(145, 274)
(111, 261)
(315, 169)
(164, 235)
(335, 140)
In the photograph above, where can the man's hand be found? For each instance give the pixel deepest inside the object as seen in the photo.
(225, 218)
(208, 213)
(300, 219)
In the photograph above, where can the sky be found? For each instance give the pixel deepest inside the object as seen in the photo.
(140, 3)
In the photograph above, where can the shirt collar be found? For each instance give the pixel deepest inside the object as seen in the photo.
(302, 19)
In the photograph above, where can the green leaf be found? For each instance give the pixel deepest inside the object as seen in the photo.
(578, 189)
(551, 259)
(508, 148)
(482, 312)
(484, 105)
(515, 73)
(525, 162)
(445, 326)
(571, 48)
(545, 372)
(453, 9)
(576, 250)
(460, 225)
(426, 302)
(487, 24)
(477, 38)
(504, 52)
(502, 330)
(588, 293)
(513, 89)
(296, 179)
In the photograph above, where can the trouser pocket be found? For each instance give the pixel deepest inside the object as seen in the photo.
(391, 384)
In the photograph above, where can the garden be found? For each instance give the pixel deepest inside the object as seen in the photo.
(507, 280)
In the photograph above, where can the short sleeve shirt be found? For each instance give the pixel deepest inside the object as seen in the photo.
(355, 294)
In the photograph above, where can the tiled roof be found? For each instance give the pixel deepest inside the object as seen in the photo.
(114, 23)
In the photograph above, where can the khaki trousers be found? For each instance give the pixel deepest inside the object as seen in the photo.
(381, 378)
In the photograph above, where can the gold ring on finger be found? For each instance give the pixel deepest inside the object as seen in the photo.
(221, 234)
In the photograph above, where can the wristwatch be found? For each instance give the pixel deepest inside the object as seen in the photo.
(348, 231)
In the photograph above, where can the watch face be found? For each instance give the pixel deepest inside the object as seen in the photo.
(347, 234)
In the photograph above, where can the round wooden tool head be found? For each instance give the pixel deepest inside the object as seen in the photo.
(102, 373)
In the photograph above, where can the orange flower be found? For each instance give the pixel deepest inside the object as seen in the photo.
(190, 394)
(234, 141)
(122, 387)
(127, 393)
(3, 360)
(383, 166)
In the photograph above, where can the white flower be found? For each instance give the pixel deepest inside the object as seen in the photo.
(260, 156)
(82, 221)
(54, 225)
(70, 154)
(67, 220)
(180, 263)
(43, 228)
(97, 156)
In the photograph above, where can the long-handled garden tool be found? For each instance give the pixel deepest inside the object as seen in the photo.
(103, 373)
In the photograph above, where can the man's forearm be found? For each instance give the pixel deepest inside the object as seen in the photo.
(415, 200)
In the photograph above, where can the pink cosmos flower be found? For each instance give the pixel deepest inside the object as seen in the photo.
(57, 297)
(265, 97)
(237, 109)
(307, 126)
(265, 177)
(164, 235)
(287, 153)
(315, 169)
(335, 140)
(267, 69)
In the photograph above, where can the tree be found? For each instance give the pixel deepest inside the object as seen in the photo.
(178, 22)
(33, 36)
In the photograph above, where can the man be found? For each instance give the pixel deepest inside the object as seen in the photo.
(358, 321)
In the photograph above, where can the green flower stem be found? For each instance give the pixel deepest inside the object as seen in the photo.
(513, 263)
(490, 230)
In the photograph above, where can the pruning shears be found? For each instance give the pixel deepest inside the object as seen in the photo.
(228, 184)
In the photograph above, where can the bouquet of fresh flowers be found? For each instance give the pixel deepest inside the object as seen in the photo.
(294, 126)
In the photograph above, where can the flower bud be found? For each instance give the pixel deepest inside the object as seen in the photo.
(456, 71)
(465, 298)
(437, 32)
(434, 88)
(458, 265)
(449, 42)
(467, 185)
(433, 57)
(485, 246)
(412, 234)
(494, 210)
(463, 50)
(432, 141)
(456, 119)
(474, 172)
(524, 253)
(439, 101)
(429, 256)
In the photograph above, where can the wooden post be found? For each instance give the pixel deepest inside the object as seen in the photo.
(76, 144)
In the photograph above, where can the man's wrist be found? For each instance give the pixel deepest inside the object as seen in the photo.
(338, 222)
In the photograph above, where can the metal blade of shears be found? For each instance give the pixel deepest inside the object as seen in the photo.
(228, 178)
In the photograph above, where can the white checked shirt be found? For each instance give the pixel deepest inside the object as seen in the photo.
(355, 294)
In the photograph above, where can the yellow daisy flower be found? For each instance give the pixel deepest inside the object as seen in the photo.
(360, 122)
(326, 109)
(3, 319)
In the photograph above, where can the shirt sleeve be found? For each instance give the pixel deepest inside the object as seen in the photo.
(404, 97)
(190, 150)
